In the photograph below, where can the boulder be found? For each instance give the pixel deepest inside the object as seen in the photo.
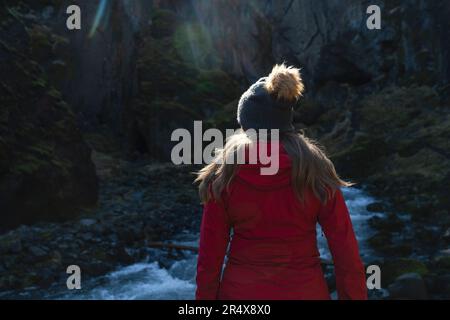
(408, 286)
(392, 269)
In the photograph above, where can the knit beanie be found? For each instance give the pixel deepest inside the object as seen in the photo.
(268, 103)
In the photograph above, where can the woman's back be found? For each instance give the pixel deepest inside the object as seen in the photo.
(273, 253)
(263, 209)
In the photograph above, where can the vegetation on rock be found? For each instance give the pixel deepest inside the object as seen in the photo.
(45, 168)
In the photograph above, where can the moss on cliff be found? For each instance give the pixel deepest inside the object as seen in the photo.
(45, 167)
(177, 84)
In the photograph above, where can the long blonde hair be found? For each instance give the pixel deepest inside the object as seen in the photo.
(311, 168)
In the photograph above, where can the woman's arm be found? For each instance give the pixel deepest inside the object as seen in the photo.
(349, 269)
(214, 238)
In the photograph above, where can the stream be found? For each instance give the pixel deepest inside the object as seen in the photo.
(149, 280)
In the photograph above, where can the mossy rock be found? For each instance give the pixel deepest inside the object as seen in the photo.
(364, 149)
(216, 84)
(443, 263)
(46, 172)
(390, 223)
(162, 71)
(380, 240)
(395, 107)
(195, 46)
(163, 23)
(40, 41)
(392, 269)
(397, 250)
(159, 106)
(180, 81)
(378, 206)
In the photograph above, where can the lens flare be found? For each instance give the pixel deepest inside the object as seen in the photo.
(98, 17)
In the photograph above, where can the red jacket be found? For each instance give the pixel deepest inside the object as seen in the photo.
(273, 251)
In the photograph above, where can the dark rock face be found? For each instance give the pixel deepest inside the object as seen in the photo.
(177, 82)
(103, 57)
(329, 39)
(46, 172)
(148, 68)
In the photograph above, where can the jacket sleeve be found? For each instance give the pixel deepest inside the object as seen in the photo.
(334, 219)
(214, 238)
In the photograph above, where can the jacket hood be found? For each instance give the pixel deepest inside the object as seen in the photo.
(250, 173)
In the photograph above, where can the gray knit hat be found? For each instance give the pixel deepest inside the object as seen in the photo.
(268, 103)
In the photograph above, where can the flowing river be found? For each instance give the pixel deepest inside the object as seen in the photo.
(176, 281)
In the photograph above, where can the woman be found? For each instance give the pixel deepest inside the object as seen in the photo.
(273, 251)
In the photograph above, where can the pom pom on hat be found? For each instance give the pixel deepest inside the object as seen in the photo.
(285, 83)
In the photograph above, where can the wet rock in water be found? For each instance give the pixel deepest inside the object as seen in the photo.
(380, 239)
(389, 223)
(122, 255)
(445, 252)
(427, 235)
(38, 252)
(96, 268)
(386, 240)
(127, 235)
(87, 222)
(408, 286)
(376, 207)
(113, 238)
(87, 236)
(45, 278)
(443, 262)
(446, 236)
(396, 250)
